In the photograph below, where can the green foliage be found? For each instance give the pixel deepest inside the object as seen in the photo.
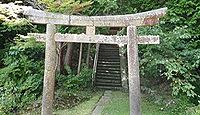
(85, 107)
(21, 75)
(21, 79)
(177, 57)
(66, 6)
(193, 110)
(104, 7)
(72, 82)
(180, 106)
(9, 29)
(10, 25)
(70, 89)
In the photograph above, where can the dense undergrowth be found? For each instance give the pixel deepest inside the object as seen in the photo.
(21, 79)
(22, 68)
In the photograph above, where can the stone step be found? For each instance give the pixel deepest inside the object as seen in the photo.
(109, 54)
(111, 70)
(108, 81)
(108, 84)
(108, 48)
(108, 68)
(108, 71)
(108, 77)
(108, 58)
(108, 74)
(107, 51)
(109, 87)
(108, 62)
(109, 45)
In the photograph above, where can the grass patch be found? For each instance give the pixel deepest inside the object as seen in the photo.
(84, 108)
(63, 106)
(119, 105)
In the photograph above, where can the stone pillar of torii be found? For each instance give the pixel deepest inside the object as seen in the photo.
(131, 21)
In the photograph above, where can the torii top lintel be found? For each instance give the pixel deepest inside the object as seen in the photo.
(138, 19)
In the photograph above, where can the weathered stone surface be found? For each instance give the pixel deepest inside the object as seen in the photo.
(102, 102)
(138, 19)
(90, 30)
(83, 38)
(49, 72)
(133, 71)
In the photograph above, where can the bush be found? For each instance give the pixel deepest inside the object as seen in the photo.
(177, 57)
(21, 78)
(71, 88)
(72, 82)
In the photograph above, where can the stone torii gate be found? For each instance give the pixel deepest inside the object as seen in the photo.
(131, 21)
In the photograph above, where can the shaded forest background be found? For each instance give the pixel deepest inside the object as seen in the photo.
(175, 62)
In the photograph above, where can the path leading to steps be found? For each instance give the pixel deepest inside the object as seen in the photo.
(102, 102)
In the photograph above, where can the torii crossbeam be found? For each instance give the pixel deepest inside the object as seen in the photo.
(131, 21)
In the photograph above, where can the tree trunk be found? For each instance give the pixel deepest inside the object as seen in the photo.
(80, 58)
(49, 72)
(68, 56)
(59, 45)
(88, 55)
(62, 55)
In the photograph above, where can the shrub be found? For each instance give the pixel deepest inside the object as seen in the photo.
(21, 78)
(177, 57)
(72, 82)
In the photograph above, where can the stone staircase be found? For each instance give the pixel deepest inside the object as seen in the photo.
(108, 74)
